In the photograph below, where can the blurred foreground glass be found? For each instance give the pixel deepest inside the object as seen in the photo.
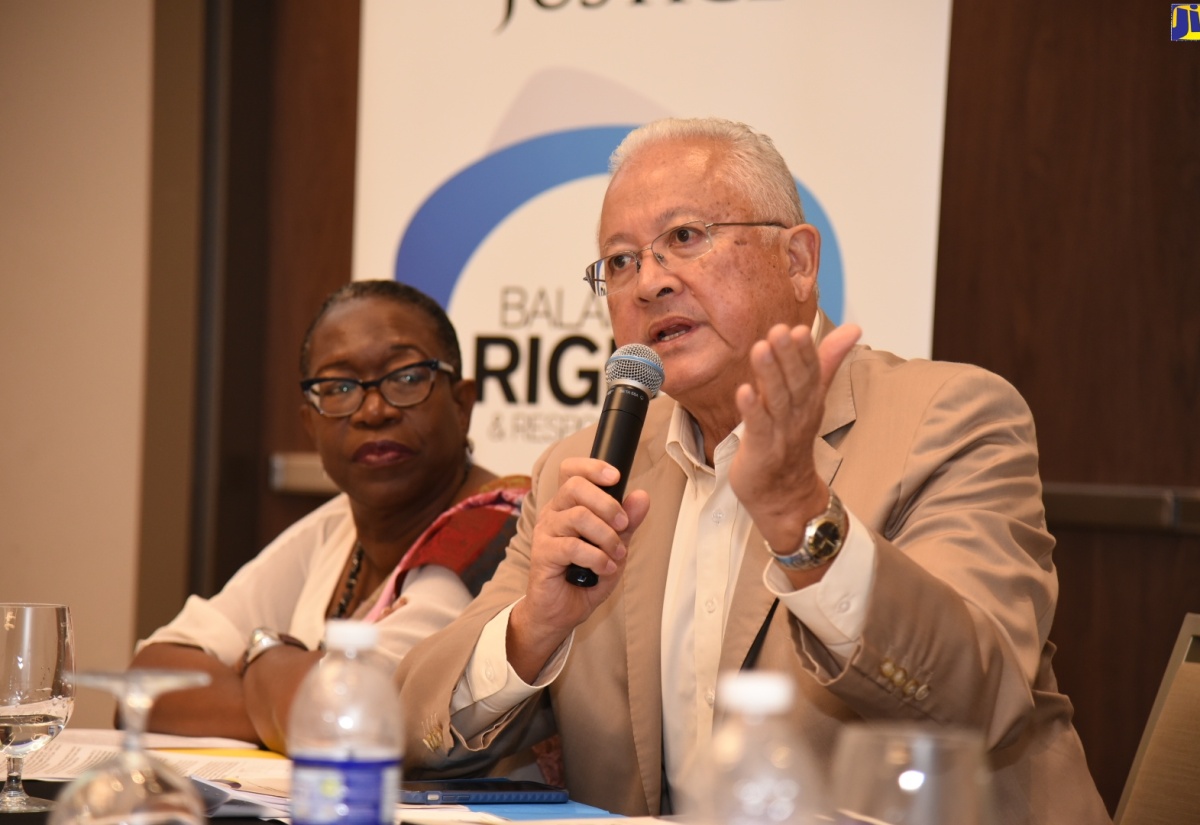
(37, 660)
(133, 787)
(902, 773)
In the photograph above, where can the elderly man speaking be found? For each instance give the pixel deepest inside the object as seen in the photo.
(878, 520)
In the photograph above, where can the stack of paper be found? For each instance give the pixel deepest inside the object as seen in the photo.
(235, 778)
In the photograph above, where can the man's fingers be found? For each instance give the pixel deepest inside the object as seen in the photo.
(834, 349)
(594, 470)
(580, 493)
(779, 368)
(637, 507)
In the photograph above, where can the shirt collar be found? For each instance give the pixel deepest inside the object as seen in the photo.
(685, 444)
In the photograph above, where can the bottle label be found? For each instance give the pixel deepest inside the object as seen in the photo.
(344, 791)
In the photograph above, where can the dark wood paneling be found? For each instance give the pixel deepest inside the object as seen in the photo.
(1122, 601)
(1068, 264)
(237, 144)
(283, 121)
(315, 124)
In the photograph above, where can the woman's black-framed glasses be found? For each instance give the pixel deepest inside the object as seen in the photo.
(685, 242)
(405, 387)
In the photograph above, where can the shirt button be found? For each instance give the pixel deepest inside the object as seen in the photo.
(843, 605)
(887, 667)
(910, 687)
(718, 517)
(899, 677)
(922, 693)
(709, 697)
(710, 604)
(490, 673)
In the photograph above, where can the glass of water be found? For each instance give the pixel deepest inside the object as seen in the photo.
(904, 773)
(37, 661)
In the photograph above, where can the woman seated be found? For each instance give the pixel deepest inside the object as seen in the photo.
(415, 532)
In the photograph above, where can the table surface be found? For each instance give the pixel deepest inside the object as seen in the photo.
(50, 790)
(517, 813)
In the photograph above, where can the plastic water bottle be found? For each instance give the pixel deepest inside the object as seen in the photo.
(344, 733)
(762, 774)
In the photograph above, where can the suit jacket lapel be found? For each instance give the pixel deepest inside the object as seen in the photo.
(751, 600)
(642, 592)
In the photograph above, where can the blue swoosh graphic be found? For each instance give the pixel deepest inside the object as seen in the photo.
(456, 219)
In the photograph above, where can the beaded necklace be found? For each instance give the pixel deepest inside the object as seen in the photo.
(351, 582)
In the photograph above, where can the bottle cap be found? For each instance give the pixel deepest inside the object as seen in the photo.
(755, 691)
(350, 634)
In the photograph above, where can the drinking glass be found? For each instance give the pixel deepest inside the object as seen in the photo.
(37, 658)
(133, 787)
(900, 773)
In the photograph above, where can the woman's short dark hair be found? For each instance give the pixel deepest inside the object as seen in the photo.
(392, 291)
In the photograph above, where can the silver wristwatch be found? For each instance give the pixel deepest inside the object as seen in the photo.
(823, 538)
(263, 639)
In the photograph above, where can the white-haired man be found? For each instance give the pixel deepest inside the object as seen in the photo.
(891, 509)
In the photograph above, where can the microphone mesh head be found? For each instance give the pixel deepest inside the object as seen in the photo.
(637, 364)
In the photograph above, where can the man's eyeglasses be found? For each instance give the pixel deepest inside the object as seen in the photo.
(686, 242)
(405, 387)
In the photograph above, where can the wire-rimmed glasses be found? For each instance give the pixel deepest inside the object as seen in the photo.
(685, 242)
(405, 387)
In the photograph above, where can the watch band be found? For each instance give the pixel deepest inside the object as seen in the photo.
(263, 639)
(823, 538)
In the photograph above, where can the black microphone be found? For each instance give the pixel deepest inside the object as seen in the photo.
(634, 374)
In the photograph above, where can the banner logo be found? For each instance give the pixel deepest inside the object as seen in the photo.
(554, 5)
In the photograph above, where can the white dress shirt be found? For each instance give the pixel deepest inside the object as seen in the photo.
(710, 540)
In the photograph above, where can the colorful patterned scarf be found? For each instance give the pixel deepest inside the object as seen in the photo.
(469, 538)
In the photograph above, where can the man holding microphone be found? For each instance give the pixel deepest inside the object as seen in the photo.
(871, 526)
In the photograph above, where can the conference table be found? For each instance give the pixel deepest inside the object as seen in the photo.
(260, 779)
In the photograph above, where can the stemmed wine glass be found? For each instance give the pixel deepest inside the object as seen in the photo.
(133, 786)
(37, 659)
(902, 773)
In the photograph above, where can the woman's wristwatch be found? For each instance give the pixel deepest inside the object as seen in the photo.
(263, 639)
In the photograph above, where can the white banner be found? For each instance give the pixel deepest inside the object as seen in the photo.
(485, 128)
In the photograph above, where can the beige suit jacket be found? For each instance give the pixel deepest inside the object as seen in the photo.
(939, 462)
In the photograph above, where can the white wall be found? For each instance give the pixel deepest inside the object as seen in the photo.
(75, 92)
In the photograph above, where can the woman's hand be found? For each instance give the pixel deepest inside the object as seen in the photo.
(269, 686)
(218, 709)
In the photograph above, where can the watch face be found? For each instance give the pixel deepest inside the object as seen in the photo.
(826, 539)
(823, 539)
(261, 636)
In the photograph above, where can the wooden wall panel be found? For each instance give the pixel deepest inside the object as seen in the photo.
(283, 124)
(315, 127)
(1068, 264)
(229, 478)
(1122, 601)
